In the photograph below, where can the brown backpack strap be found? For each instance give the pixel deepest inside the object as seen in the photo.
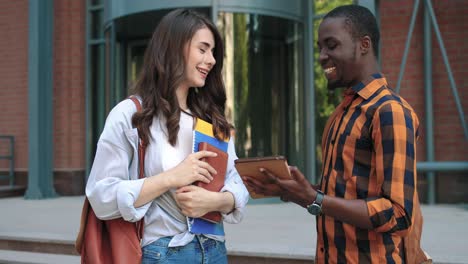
(141, 161)
(137, 102)
(141, 145)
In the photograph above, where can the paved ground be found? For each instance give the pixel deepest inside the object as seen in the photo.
(283, 230)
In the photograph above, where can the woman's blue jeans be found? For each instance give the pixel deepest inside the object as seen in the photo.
(200, 250)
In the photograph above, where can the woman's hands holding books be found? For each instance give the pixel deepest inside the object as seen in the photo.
(196, 201)
(191, 169)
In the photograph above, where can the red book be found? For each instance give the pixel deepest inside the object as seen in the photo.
(219, 163)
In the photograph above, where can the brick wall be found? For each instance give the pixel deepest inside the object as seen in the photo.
(68, 91)
(450, 144)
(69, 96)
(14, 78)
(69, 84)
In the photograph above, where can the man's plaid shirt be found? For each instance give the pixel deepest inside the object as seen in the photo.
(369, 152)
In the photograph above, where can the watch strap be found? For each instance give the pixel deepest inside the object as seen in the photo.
(319, 197)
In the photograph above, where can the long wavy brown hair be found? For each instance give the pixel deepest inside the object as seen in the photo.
(163, 70)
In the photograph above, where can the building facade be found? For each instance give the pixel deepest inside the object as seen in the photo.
(62, 73)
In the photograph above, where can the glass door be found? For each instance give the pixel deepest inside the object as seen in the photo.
(135, 55)
(263, 73)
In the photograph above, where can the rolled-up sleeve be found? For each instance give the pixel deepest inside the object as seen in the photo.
(127, 194)
(394, 137)
(234, 185)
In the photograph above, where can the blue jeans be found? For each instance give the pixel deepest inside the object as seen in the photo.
(200, 250)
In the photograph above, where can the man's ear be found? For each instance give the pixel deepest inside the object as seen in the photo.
(366, 45)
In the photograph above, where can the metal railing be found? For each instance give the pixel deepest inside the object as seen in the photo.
(430, 166)
(9, 156)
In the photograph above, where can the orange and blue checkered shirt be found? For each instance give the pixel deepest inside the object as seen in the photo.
(369, 153)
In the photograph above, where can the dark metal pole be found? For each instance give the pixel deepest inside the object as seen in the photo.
(429, 106)
(407, 45)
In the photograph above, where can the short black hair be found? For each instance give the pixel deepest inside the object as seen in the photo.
(362, 22)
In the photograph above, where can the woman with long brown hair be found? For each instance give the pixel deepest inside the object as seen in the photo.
(180, 82)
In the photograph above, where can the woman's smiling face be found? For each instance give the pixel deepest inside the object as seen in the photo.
(199, 58)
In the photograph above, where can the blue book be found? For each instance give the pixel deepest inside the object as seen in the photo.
(203, 132)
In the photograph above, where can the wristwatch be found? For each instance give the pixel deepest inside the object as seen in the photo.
(316, 207)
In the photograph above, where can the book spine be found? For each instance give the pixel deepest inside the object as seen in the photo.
(194, 145)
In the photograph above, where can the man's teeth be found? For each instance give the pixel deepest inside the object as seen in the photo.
(329, 70)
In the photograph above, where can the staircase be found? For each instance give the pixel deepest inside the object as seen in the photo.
(44, 231)
(36, 251)
(39, 231)
(48, 251)
(26, 257)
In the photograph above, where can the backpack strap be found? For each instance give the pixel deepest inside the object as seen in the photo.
(141, 162)
(141, 144)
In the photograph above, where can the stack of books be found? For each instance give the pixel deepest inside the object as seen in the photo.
(203, 139)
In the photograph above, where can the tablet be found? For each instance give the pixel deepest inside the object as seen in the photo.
(277, 165)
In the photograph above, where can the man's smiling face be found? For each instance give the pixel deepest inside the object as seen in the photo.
(339, 53)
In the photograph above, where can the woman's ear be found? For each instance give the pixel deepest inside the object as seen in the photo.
(366, 45)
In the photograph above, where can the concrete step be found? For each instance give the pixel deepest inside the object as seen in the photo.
(39, 245)
(266, 260)
(57, 250)
(22, 257)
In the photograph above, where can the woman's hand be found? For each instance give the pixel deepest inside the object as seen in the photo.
(195, 201)
(191, 169)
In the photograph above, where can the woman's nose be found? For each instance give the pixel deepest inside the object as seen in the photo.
(211, 59)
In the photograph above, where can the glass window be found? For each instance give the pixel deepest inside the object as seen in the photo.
(96, 96)
(96, 2)
(136, 52)
(263, 73)
(96, 24)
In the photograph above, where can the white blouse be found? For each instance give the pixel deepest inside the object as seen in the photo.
(113, 185)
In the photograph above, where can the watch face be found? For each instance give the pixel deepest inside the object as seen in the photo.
(314, 209)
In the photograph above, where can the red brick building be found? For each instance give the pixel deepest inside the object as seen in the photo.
(68, 90)
(70, 77)
(450, 143)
